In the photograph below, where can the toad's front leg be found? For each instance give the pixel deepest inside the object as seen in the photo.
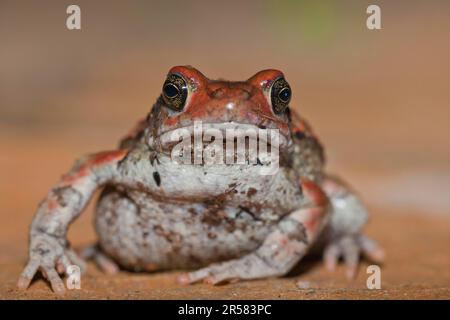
(49, 251)
(280, 251)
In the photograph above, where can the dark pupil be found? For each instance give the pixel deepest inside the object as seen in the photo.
(170, 90)
(285, 94)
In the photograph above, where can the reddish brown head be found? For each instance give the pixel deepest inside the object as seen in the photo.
(188, 96)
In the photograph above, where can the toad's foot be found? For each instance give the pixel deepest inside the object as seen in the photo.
(52, 256)
(349, 248)
(347, 219)
(106, 264)
(248, 267)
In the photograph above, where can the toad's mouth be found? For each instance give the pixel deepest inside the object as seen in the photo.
(232, 139)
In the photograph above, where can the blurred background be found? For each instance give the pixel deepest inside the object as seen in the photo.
(379, 100)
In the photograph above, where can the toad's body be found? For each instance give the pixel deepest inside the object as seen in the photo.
(221, 216)
(157, 213)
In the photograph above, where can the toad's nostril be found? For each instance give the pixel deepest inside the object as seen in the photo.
(218, 93)
(244, 94)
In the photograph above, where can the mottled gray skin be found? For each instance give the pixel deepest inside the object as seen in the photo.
(156, 214)
(171, 226)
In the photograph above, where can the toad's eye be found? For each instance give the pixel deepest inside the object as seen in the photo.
(280, 95)
(174, 92)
